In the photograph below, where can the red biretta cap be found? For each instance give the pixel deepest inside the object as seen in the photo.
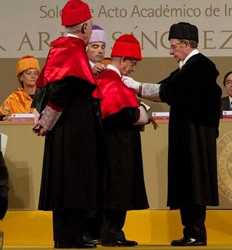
(127, 46)
(75, 12)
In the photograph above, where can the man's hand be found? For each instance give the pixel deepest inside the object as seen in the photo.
(98, 68)
(39, 130)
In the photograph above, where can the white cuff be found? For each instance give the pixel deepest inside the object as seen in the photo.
(143, 117)
(150, 91)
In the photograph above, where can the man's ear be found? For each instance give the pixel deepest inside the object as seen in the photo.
(123, 59)
(187, 43)
(84, 28)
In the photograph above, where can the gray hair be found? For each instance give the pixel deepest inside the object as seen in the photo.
(74, 28)
(117, 58)
(193, 44)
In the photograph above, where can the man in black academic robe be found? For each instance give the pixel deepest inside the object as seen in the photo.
(70, 119)
(195, 99)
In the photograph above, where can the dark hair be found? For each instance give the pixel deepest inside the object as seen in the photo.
(224, 80)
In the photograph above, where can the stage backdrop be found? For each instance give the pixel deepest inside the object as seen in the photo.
(29, 26)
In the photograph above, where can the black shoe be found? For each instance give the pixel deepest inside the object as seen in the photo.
(90, 239)
(120, 243)
(78, 244)
(188, 242)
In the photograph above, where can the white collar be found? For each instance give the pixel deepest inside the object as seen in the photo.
(182, 63)
(230, 99)
(91, 64)
(72, 35)
(110, 66)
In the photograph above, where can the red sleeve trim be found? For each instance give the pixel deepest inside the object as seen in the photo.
(58, 109)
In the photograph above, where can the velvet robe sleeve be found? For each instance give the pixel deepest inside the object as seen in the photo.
(125, 118)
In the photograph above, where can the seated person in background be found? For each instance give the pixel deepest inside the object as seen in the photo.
(96, 49)
(226, 102)
(3, 187)
(20, 100)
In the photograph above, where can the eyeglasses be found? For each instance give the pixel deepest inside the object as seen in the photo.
(133, 61)
(174, 46)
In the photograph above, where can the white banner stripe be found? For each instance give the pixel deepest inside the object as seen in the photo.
(29, 26)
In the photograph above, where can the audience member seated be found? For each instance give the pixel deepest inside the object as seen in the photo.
(226, 102)
(20, 100)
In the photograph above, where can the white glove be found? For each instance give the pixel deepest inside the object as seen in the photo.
(131, 83)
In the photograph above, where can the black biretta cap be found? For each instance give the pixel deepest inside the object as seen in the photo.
(183, 31)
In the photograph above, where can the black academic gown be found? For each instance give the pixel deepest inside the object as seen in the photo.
(66, 83)
(124, 187)
(194, 98)
(69, 177)
(124, 180)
